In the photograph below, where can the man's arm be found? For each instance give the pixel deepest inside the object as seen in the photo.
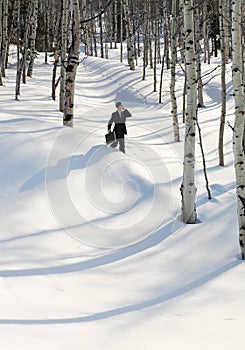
(127, 114)
(110, 122)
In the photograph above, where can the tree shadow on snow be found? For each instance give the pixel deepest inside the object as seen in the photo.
(64, 166)
(130, 308)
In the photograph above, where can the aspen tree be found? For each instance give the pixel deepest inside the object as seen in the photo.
(182, 53)
(198, 59)
(84, 10)
(121, 31)
(206, 33)
(166, 34)
(63, 54)
(222, 5)
(238, 130)
(156, 38)
(4, 48)
(101, 31)
(146, 39)
(115, 22)
(72, 64)
(227, 28)
(130, 39)
(188, 188)
(22, 60)
(32, 38)
(173, 72)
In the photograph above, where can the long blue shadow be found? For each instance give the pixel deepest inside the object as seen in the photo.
(129, 308)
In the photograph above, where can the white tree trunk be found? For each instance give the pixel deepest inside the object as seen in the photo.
(4, 24)
(63, 55)
(173, 72)
(222, 5)
(205, 34)
(238, 149)
(130, 39)
(227, 31)
(188, 188)
(22, 60)
(72, 64)
(32, 39)
(198, 59)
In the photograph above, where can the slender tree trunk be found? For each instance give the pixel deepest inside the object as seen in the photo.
(4, 48)
(94, 39)
(161, 81)
(166, 37)
(121, 31)
(205, 32)
(63, 55)
(22, 60)
(227, 29)
(173, 72)
(46, 24)
(55, 66)
(188, 188)
(115, 23)
(101, 32)
(198, 60)
(17, 38)
(239, 155)
(84, 10)
(145, 40)
(155, 50)
(72, 64)
(130, 39)
(223, 82)
(150, 31)
(1, 41)
(33, 32)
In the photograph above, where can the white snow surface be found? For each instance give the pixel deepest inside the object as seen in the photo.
(93, 254)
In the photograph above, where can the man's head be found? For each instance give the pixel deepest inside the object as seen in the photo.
(119, 105)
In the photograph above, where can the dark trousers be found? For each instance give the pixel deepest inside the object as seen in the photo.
(121, 142)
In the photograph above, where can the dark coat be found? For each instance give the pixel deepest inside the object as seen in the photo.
(120, 126)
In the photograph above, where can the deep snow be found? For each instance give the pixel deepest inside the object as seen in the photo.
(93, 252)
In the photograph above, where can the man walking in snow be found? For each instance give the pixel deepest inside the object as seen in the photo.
(119, 119)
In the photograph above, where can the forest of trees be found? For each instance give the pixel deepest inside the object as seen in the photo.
(170, 34)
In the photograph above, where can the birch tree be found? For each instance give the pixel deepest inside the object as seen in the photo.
(188, 188)
(72, 64)
(22, 60)
(146, 37)
(227, 28)
(205, 33)
(173, 72)
(130, 39)
(4, 48)
(64, 35)
(238, 130)
(32, 38)
(198, 59)
(101, 31)
(222, 5)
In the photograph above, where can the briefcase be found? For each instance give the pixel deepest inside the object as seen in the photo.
(110, 138)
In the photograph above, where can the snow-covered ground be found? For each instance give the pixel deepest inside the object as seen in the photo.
(92, 250)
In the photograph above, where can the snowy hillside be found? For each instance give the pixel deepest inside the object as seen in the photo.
(92, 250)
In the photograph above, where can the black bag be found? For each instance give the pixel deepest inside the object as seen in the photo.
(110, 138)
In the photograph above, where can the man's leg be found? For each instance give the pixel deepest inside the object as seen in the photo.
(122, 145)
